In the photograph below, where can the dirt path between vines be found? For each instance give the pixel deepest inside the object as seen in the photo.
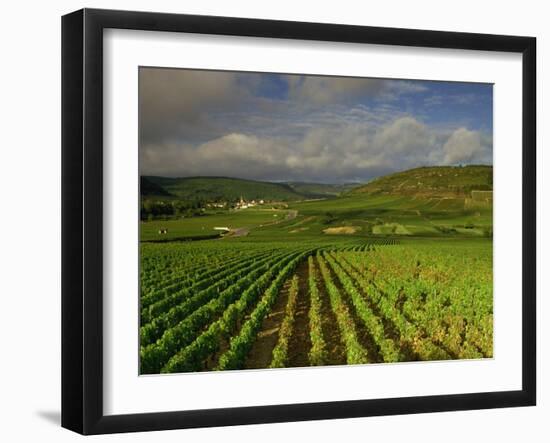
(260, 355)
(331, 333)
(363, 335)
(299, 344)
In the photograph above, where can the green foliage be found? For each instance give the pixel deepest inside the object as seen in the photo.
(203, 226)
(419, 300)
(147, 187)
(373, 324)
(318, 355)
(285, 331)
(156, 355)
(241, 343)
(214, 189)
(432, 181)
(426, 296)
(436, 296)
(321, 190)
(172, 309)
(355, 353)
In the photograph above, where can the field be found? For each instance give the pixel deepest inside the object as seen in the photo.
(203, 226)
(351, 280)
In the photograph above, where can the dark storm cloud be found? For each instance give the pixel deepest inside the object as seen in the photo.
(174, 103)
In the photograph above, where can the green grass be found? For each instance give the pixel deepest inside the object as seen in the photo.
(391, 228)
(379, 215)
(376, 215)
(224, 188)
(434, 181)
(204, 225)
(321, 190)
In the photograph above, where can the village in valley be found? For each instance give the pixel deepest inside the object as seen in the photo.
(241, 204)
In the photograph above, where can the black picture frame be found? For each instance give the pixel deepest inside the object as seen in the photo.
(82, 218)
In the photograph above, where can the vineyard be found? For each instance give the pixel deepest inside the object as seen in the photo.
(219, 305)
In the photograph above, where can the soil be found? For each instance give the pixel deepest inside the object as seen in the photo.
(390, 330)
(300, 340)
(331, 334)
(363, 336)
(260, 355)
(341, 230)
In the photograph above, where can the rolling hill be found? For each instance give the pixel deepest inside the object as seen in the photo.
(223, 188)
(321, 190)
(226, 188)
(435, 181)
(147, 188)
(423, 182)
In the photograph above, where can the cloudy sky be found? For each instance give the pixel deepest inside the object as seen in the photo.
(307, 128)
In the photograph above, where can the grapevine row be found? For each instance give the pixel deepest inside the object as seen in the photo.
(172, 309)
(408, 332)
(161, 270)
(355, 353)
(156, 355)
(280, 352)
(240, 345)
(191, 279)
(192, 357)
(373, 324)
(318, 354)
(156, 328)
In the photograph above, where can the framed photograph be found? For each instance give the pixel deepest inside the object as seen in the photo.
(269, 221)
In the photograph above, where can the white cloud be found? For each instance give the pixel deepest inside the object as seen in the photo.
(465, 146)
(405, 136)
(343, 152)
(327, 129)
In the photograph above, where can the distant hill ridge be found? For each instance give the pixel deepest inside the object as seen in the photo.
(428, 181)
(223, 188)
(432, 181)
(320, 190)
(148, 187)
